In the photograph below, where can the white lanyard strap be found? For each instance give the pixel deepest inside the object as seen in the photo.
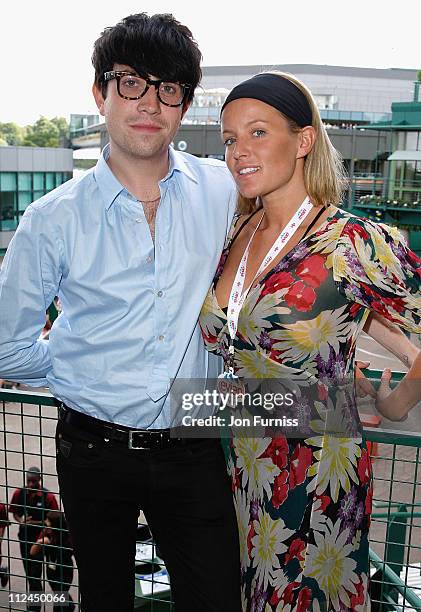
(237, 296)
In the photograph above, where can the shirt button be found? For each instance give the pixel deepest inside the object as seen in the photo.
(139, 220)
(161, 338)
(160, 293)
(149, 259)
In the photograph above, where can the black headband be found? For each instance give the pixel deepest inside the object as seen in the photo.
(276, 91)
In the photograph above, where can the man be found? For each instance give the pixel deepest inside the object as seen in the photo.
(29, 506)
(130, 249)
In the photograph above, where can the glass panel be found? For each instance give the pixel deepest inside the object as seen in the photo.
(39, 180)
(411, 141)
(409, 173)
(10, 224)
(49, 181)
(8, 181)
(59, 178)
(24, 198)
(7, 211)
(24, 181)
(38, 194)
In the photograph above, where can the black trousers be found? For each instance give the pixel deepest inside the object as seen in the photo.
(33, 569)
(186, 497)
(60, 580)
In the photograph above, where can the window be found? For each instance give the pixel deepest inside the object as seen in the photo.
(8, 219)
(39, 181)
(19, 189)
(7, 181)
(24, 181)
(24, 198)
(50, 181)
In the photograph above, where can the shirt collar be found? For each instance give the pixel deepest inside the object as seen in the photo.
(110, 187)
(177, 162)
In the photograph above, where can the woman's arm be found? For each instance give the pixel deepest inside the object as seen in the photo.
(391, 338)
(396, 404)
(37, 547)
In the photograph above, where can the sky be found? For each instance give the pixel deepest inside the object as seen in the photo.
(46, 46)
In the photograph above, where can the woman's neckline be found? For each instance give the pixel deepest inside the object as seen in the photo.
(314, 234)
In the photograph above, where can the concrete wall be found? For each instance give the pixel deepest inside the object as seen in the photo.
(353, 144)
(355, 89)
(35, 159)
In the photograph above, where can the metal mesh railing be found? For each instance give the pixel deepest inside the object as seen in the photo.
(27, 428)
(395, 533)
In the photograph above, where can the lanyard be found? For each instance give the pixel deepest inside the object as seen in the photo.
(237, 296)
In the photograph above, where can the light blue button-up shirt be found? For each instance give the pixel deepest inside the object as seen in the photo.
(130, 308)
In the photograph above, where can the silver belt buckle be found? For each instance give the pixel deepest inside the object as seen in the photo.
(137, 431)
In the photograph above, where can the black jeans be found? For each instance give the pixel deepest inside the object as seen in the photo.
(186, 497)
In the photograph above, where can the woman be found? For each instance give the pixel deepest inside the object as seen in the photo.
(58, 552)
(295, 286)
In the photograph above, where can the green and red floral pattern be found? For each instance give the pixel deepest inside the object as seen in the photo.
(303, 505)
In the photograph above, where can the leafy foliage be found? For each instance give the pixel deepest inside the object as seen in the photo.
(12, 134)
(43, 133)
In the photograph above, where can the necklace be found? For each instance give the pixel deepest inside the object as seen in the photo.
(150, 201)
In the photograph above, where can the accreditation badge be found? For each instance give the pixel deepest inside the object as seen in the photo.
(232, 388)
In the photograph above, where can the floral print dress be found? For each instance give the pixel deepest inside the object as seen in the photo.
(303, 504)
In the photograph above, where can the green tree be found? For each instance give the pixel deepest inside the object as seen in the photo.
(13, 134)
(43, 133)
(63, 128)
(419, 75)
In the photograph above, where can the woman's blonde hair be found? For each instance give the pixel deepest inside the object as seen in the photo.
(324, 174)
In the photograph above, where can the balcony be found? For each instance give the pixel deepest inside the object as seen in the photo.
(27, 439)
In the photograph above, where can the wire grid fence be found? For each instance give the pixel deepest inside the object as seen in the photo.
(395, 533)
(27, 439)
(27, 430)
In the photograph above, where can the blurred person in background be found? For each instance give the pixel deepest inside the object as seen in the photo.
(29, 506)
(55, 545)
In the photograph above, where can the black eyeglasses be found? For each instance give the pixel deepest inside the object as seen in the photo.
(130, 86)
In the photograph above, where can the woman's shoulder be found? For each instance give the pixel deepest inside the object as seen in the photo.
(368, 229)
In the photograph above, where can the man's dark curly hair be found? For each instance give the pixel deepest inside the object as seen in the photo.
(157, 45)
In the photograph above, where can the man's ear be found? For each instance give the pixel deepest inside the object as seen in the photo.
(99, 98)
(307, 140)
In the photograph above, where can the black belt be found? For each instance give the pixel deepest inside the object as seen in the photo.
(137, 439)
